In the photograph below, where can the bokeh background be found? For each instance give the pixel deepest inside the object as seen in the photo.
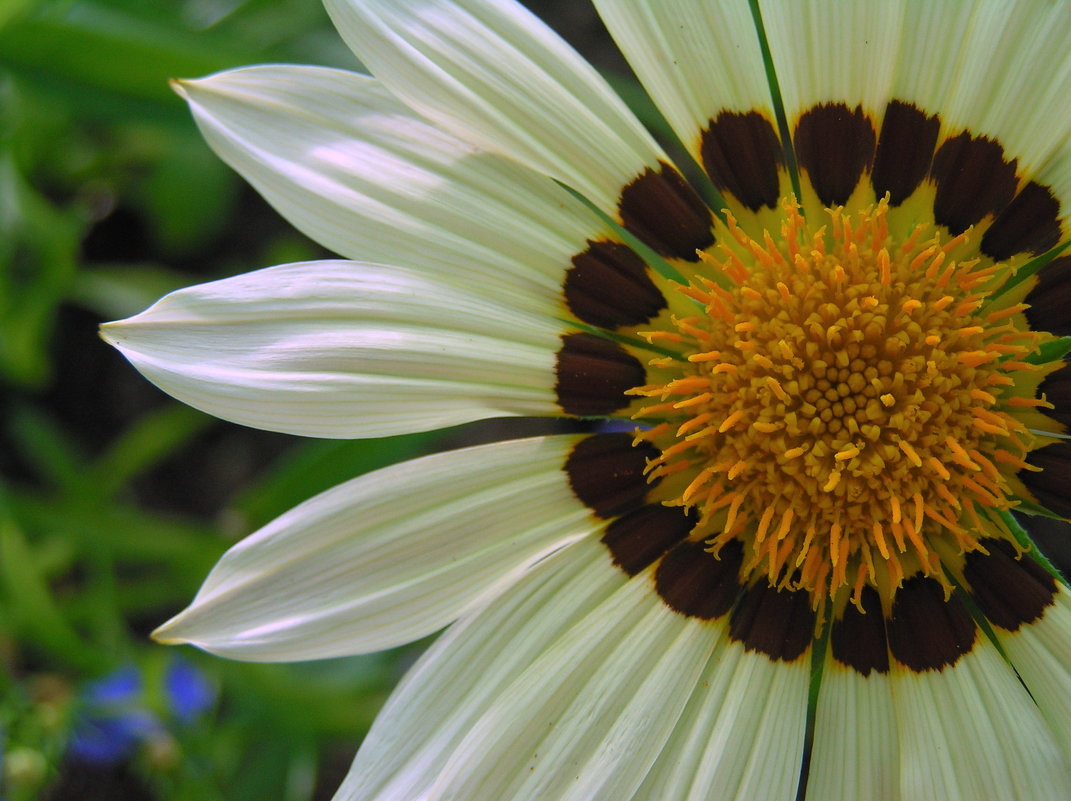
(115, 500)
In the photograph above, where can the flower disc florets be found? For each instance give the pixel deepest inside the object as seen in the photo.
(840, 401)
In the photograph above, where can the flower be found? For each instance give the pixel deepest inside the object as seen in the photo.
(844, 382)
(112, 721)
(114, 717)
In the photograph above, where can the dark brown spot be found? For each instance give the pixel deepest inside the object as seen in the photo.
(834, 144)
(858, 640)
(640, 537)
(606, 473)
(1056, 387)
(742, 154)
(1010, 591)
(1030, 224)
(777, 623)
(593, 375)
(926, 632)
(973, 180)
(1051, 536)
(1051, 487)
(608, 286)
(694, 582)
(905, 149)
(1050, 300)
(665, 213)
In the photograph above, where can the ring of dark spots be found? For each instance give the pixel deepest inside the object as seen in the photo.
(742, 155)
(925, 631)
(973, 180)
(593, 375)
(609, 286)
(1051, 486)
(606, 474)
(696, 583)
(1030, 224)
(640, 537)
(1056, 387)
(905, 150)
(858, 638)
(1050, 299)
(835, 145)
(1009, 589)
(777, 623)
(665, 213)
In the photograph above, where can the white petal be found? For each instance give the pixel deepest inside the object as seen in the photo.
(354, 168)
(829, 50)
(971, 732)
(695, 59)
(491, 72)
(855, 752)
(342, 349)
(588, 717)
(832, 52)
(742, 732)
(1041, 653)
(468, 669)
(388, 557)
(1000, 68)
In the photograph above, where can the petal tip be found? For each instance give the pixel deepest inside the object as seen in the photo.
(178, 86)
(117, 332)
(170, 633)
(108, 331)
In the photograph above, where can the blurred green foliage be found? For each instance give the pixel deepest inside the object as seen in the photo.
(112, 498)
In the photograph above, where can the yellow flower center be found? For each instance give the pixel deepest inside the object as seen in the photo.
(841, 401)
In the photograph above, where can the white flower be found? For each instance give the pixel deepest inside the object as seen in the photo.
(844, 380)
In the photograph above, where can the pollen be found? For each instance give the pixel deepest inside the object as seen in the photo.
(840, 401)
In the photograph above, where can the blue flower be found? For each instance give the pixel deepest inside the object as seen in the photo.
(115, 718)
(189, 694)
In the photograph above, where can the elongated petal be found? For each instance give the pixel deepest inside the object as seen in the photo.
(742, 732)
(1003, 85)
(834, 108)
(342, 349)
(469, 668)
(491, 72)
(856, 753)
(680, 50)
(354, 168)
(388, 557)
(587, 718)
(811, 70)
(950, 98)
(970, 731)
(1041, 654)
(1006, 80)
(676, 47)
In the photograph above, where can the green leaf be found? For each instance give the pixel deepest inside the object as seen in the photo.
(38, 251)
(115, 291)
(151, 439)
(1051, 351)
(13, 9)
(1023, 538)
(30, 604)
(136, 538)
(91, 45)
(46, 446)
(189, 194)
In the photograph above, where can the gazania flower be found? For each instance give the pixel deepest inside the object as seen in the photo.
(844, 373)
